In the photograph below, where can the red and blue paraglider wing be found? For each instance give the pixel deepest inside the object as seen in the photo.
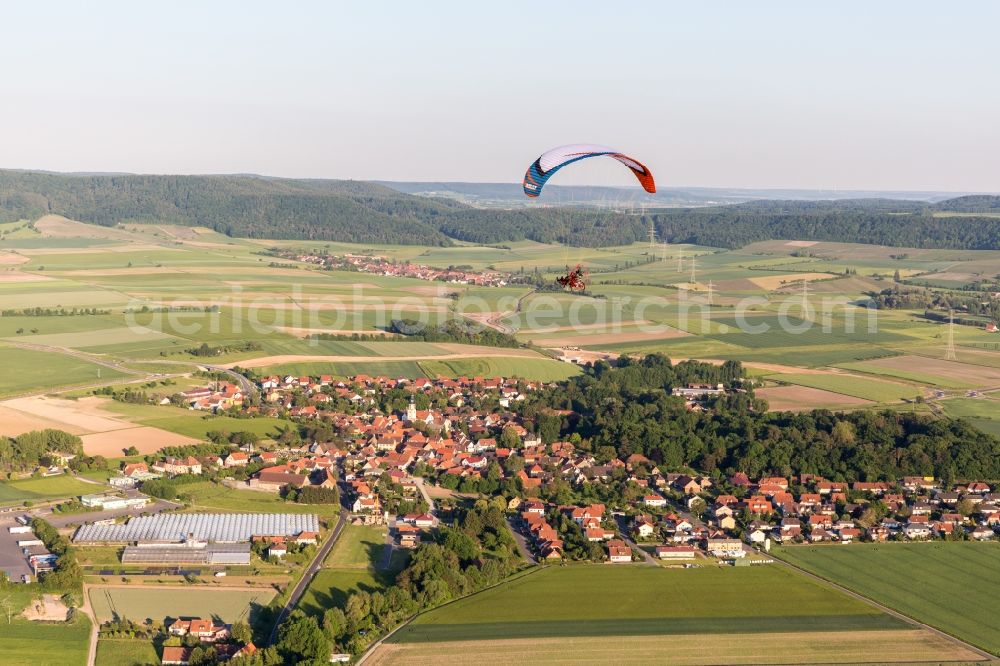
(553, 160)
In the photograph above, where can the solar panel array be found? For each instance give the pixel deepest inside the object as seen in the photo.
(213, 527)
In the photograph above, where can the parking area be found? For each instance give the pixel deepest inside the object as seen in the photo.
(60, 521)
(12, 561)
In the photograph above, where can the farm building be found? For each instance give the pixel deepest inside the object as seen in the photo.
(209, 527)
(111, 501)
(188, 553)
(675, 552)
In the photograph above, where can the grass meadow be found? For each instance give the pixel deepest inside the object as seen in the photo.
(50, 487)
(126, 652)
(355, 563)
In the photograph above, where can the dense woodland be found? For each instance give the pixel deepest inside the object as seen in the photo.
(256, 207)
(31, 450)
(630, 410)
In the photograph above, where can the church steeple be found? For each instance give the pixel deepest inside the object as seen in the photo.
(411, 411)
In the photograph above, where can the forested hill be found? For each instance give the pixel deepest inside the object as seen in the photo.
(871, 221)
(235, 205)
(336, 210)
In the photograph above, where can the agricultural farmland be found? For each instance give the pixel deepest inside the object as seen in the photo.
(222, 293)
(586, 612)
(954, 587)
(140, 602)
(560, 602)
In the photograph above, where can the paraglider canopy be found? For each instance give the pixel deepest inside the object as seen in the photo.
(553, 160)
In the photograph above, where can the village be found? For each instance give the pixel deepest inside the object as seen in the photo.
(471, 431)
(378, 265)
(402, 454)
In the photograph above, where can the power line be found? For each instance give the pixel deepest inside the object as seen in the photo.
(949, 352)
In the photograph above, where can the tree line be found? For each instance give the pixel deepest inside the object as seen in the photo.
(630, 410)
(360, 212)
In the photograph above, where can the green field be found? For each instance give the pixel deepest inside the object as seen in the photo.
(277, 306)
(331, 587)
(197, 424)
(540, 369)
(138, 604)
(26, 643)
(859, 387)
(50, 487)
(352, 565)
(206, 495)
(623, 601)
(954, 587)
(410, 369)
(26, 370)
(357, 547)
(126, 652)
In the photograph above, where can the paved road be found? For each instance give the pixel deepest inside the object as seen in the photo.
(522, 543)
(59, 520)
(885, 609)
(431, 507)
(627, 538)
(307, 577)
(390, 545)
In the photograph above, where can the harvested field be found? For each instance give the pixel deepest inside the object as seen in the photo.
(956, 374)
(854, 647)
(146, 439)
(801, 243)
(17, 276)
(103, 432)
(770, 282)
(85, 415)
(585, 356)
(57, 226)
(804, 398)
(14, 422)
(11, 259)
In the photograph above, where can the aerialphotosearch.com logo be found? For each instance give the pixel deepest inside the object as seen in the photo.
(363, 311)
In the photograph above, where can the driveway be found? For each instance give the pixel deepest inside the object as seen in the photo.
(522, 543)
(623, 528)
(432, 508)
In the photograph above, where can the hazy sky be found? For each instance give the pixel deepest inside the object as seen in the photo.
(872, 95)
